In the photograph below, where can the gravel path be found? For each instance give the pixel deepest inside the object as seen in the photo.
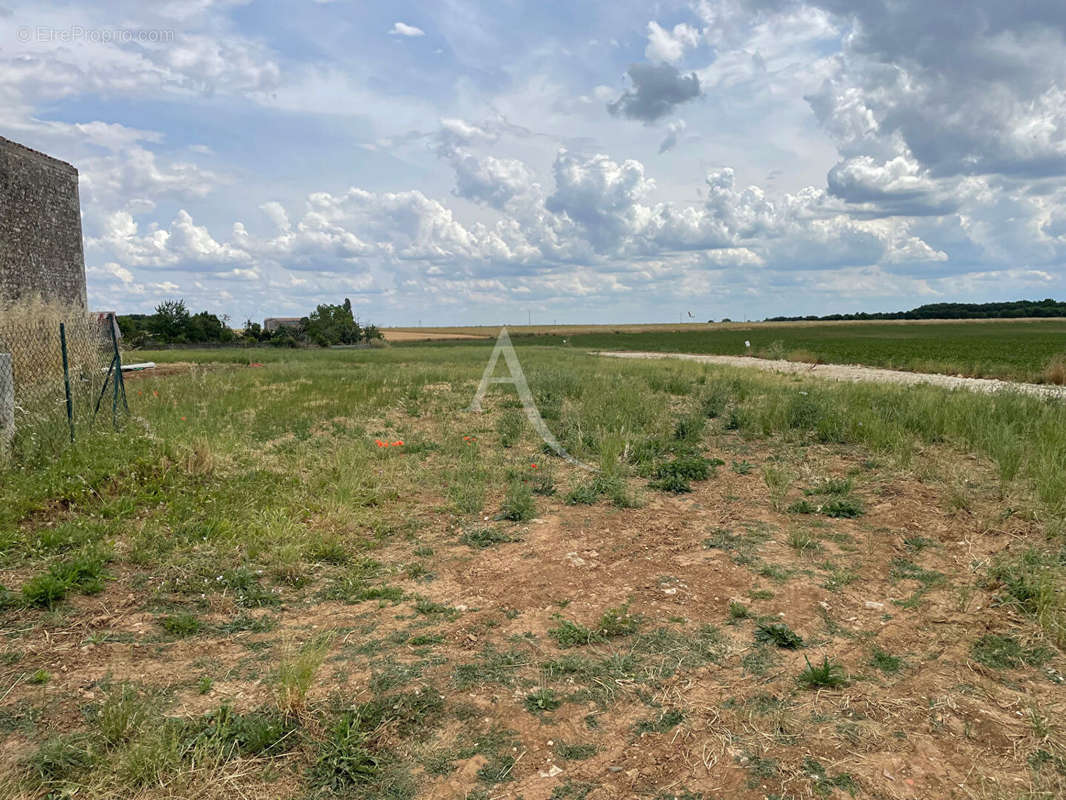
(855, 372)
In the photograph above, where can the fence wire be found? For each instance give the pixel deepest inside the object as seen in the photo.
(32, 340)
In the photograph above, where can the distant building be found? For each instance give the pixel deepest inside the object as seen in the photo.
(102, 319)
(40, 228)
(271, 324)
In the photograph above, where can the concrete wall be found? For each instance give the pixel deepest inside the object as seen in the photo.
(40, 227)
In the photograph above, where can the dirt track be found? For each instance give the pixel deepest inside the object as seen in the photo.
(855, 372)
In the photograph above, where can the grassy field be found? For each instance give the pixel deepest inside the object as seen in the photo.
(316, 574)
(1026, 350)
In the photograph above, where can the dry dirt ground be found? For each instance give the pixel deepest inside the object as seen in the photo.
(669, 711)
(856, 372)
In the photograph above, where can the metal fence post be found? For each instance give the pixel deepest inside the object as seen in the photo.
(66, 378)
(7, 404)
(120, 382)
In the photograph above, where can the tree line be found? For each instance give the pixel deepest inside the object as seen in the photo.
(1003, 310)
(173, 323)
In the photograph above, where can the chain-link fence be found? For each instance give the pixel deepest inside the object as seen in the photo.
(54, 364)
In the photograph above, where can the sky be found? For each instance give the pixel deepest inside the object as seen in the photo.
(455, 162)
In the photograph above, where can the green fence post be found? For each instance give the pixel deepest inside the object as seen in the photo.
(120, 382)
(66, 378)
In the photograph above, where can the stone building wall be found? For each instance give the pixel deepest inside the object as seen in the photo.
(40, 227)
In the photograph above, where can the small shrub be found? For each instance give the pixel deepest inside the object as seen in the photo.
(827, 675)
(544, 480)
(738, 611)
(296, 673)
(226, 734)
(674, 484)
(44, 590)
(518, 505)
(428, 607)
(329, 550)
(847, 507)
(542, 700)
(823, 783)
(345, 759)
(780, 634)
(803, 506)
(714, 402)
(777, 480)
(584, 494)
(743, 467)
(61, 758)
(689, 428)
(618, 622)
(840, 486)
(480, 538)
(1055, 371)
(885, 661)
(509, 427)
(803, 541)
(180, 624)
(570, 634)
(690, 467)
(121, 714)
(84, 573)
(246, 588)
(246, 623)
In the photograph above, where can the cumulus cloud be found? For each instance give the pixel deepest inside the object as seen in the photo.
(991, 103)
(669, 46)
(600, 195)
(403, 29)
(657, 89)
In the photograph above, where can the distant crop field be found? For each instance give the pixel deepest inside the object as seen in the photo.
(1025, 350)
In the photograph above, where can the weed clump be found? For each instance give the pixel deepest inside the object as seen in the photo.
(481, 538)
(780, 634)
(571, 634)
(518, 505)
(617, 622)
(296, 673)
(542, 700)
(612, 487)
(84, 573)
(675, 475)
(666, 721)
(180, 625)
(827, 675)
(885, 661)
(509, 427)
(1005, 652)
(345, 760)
